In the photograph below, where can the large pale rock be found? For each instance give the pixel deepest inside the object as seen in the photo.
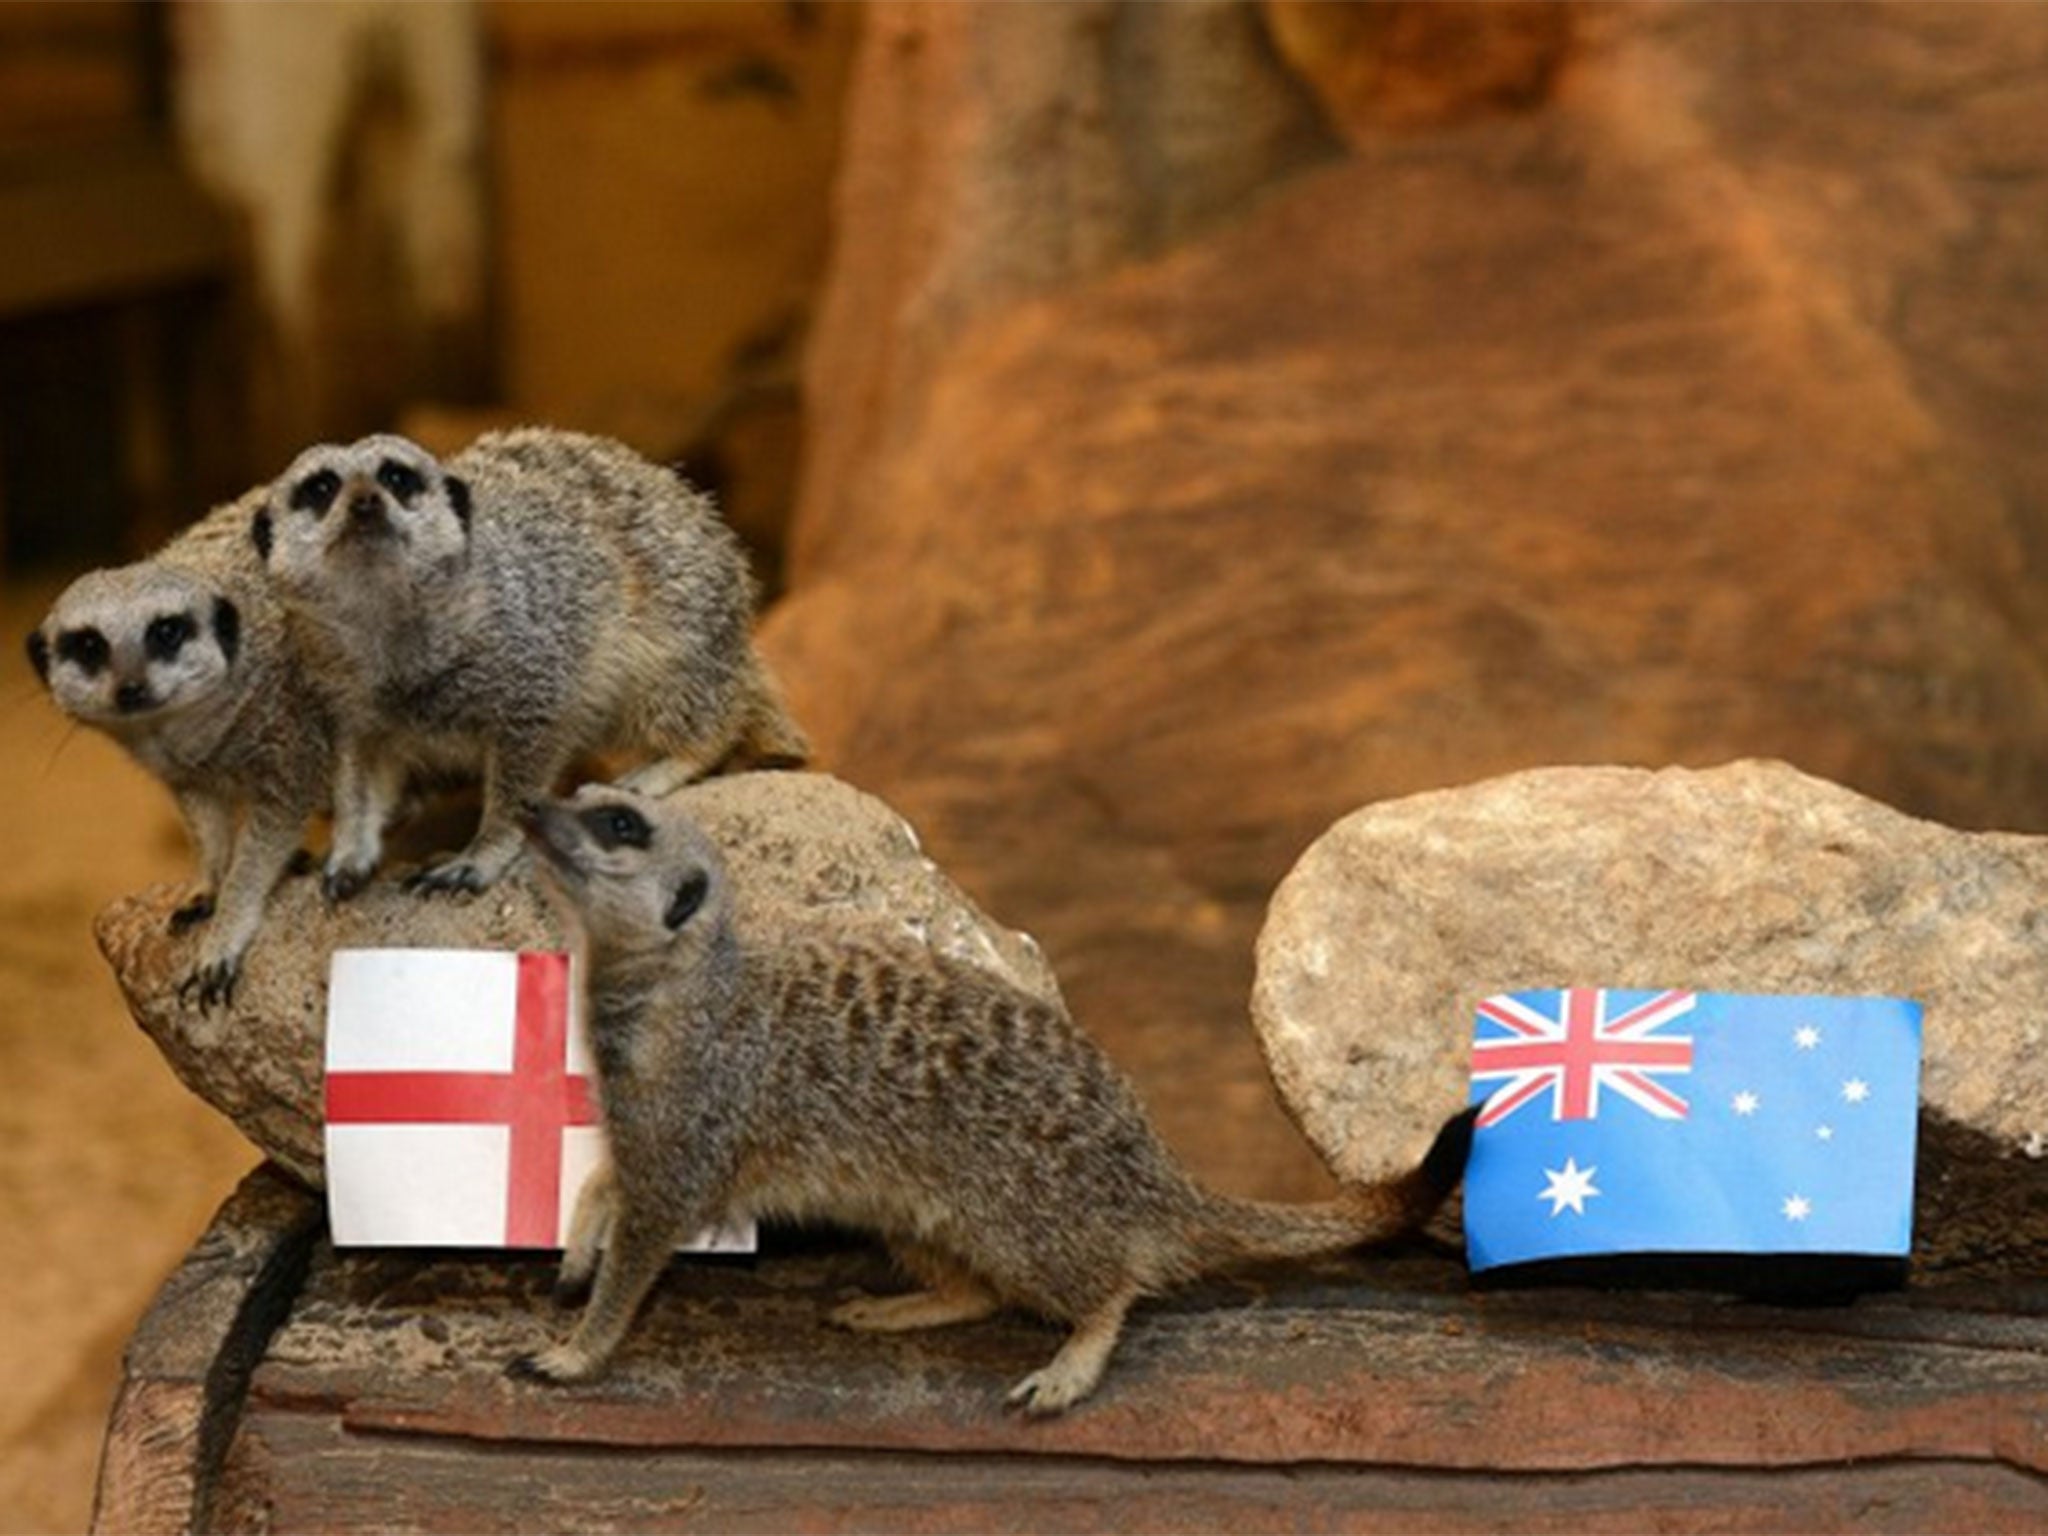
(1684, 408)
(804, 850)
(1747, 878)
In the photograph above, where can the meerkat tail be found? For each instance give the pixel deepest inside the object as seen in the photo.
(1252, 1231)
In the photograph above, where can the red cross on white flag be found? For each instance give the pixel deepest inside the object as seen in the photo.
(461, 1104)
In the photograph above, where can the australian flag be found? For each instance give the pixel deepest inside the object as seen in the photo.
(1691, 1123)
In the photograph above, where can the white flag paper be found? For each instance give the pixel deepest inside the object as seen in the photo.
(461, 1101)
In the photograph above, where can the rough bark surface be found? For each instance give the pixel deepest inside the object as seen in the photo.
(1368, 1395)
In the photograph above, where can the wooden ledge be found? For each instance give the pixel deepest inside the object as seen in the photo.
(1376, 1394)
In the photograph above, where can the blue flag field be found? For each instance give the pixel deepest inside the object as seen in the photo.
(1629, 1122)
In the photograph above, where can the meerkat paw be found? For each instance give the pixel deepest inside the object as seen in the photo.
(455, 876)
(664, 776)
(474, 870)
(918, 1309)
(1074, 1372)
(212, 984)
(342, 882)
(193, 913)
(558, 1365)
(1054, 1388)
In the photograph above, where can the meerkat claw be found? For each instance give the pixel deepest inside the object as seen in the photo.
(439, 879)
(193, 913)
(1038, 1397)
(557, 1365)
(213, 984)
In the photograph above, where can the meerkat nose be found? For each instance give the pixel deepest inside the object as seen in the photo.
(130, 697)
(365, 507)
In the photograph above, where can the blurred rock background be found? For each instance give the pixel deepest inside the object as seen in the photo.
(1171, 426)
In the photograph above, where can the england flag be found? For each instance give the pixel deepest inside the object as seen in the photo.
(461, 1101)
(1634, 1122)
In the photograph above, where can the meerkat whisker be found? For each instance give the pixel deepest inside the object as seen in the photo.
(58, 746)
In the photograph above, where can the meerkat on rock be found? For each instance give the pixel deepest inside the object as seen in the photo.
(541, 598)
(185, 661)
(880, 1084)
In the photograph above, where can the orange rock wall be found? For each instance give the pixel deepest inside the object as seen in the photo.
(661, 197)
(1169, 503)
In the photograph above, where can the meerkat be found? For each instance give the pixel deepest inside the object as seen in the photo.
(542, 598)
(876, 1083)
(184, 660)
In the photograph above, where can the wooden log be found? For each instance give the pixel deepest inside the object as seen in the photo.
(318, 1477)
(1386, 1362)
(1373, 1394)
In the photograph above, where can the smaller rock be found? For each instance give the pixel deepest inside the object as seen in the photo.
(803, 849)
(1748, 878)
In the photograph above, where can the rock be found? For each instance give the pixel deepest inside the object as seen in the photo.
(994, 153)
(1748, 878)
(803, 849)
(1688, 411)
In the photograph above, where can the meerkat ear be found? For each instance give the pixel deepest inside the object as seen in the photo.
(259, 534)
(690, 894)
(39, 654)
(458, 498)
(227, 627)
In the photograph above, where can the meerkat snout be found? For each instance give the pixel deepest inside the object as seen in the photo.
(381, 503)
(366, 510)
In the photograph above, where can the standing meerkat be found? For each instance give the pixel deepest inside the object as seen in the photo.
(543, 597)
(877, 1083)
(185, 661)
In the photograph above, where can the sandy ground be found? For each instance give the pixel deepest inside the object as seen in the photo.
(108, 1168)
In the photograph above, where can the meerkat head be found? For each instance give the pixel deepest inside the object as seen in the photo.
(379, 509)
(128, 647)
(641, 877)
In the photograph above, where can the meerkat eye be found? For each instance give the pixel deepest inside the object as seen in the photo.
(619, 826)
(316, 492)
(167, 635)
(85, 649)
(401, 480)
